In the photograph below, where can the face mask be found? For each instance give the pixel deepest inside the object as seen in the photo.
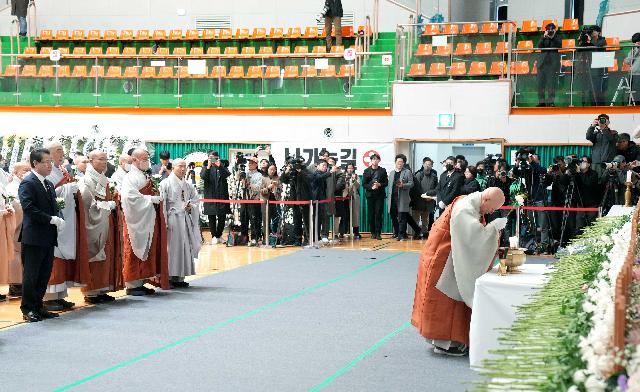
(127, 167)
(448, 166)
(583, 165)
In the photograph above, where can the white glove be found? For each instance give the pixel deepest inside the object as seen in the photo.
(155, 199)
(58, 222)
(442, 205)
(106, 205)
(499, 223)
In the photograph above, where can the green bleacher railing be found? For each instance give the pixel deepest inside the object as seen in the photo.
(223, 81)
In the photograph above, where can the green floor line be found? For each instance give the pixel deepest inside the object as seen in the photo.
(359, 358)
(224, 323)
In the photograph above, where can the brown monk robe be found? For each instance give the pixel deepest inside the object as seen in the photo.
(460, 248)
(145, 231)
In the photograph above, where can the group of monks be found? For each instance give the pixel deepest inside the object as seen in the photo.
(119, 232)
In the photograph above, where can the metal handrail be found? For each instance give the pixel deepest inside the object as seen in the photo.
(460, 23)
(196, 56)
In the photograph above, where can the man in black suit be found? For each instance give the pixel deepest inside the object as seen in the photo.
(39, 235)
(449, 186)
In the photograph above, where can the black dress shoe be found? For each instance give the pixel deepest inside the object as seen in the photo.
(106, 298)
(45, 314)
(66, 305)
(15, 290)
(3, 297)
(136, 292)
(32, 317)
(53, 305)
(93, 300)
(148, 291)
(180, 285)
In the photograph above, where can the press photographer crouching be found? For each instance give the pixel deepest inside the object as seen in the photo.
(296, 175)
(614, 180)
(589, 194)
(558, 177)
(627, 148)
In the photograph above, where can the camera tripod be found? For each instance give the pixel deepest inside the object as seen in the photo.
(624, 87)
(571, 188)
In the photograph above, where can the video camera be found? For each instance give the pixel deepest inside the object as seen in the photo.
(489, 162)
(522, 160)
(573, 165)
(585, 35)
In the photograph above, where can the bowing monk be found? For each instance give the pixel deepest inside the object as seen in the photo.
(124, 166)
(460, 249)
(145, 231)
(101, 228)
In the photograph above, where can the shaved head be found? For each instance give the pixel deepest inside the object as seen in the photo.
(98, 160)
(56, 151)
(179, 167)
(491, 199)
(125, 162)
(20, 169)
(140, 159)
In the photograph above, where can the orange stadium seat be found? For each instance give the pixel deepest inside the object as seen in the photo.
(265, 50)
(247, 50)
(570, 25)
(175, 34)
(192, 35)
(276, 33)
(547, 21)
(528, 26)
(450, 29)
(30, 51)
(64, 50)
(478, 68)
(162, 51)
(45, 71)
(489, 28)
(346, 71)
(196, 50)
(129, 51)
(242, 34)
(611, 69)
(437, 69)
(444, 50)
(46, 50)
(113, 51)
(418, 69)
(519, 67)
(94, 35)
(509, 27)
(483, 48)
(77, 35)
(231, 50)
(148, 72)
(209, 34)
(96, 71)
(146, 51)
(311, 32)
(95, 50)
(463, 49)
(502, 47)
(301, 49)
(165, 73)
(179, 51)
(255, 72)
(112, 35)
(470, 28)
(218, 72)
(294, 33)
(424, 50)
(614, 42)
(131, 72)
(272, 72)
(236, 72)
(159, 35)
(259, 33)
(142, 35)
(28, 71)
(62, 35)
(431, 29)
(64, 71)
(525, 45)
(498, 68)
(114, 72)
(11, 70)
(458, 68)
(329, 72)
(45, 35)
(79, 71)
(347, 32)
(568, 45)
(309, 72)
(225, 34)
(283, 50)
(80, 51)
(319, 49)
(125, 35)
(183, 72)
(337, 49)
(291, 72)
(214, 50)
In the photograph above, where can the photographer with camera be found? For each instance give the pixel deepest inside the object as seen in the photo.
(253, 215)
(319, 182)
(502, 181)
(423, 209)
(332, 14)
(271, 191)
(589, 193)
(164, 168)
(298, 177)
(264, 162)
(337, 209)
(594, 84)
(214, 175)
(603, 138)
(559, 179)
(528, 168)
(374, 181)
(633, 60)
(627, 148)
(548, 65)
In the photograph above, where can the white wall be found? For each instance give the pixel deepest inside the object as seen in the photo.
(520, 10)
(470, 11)
(161, 14)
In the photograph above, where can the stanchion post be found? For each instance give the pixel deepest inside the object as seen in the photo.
(311, 224)
(518, 224)
(266, 226)
(316, 229)
(351, 216)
